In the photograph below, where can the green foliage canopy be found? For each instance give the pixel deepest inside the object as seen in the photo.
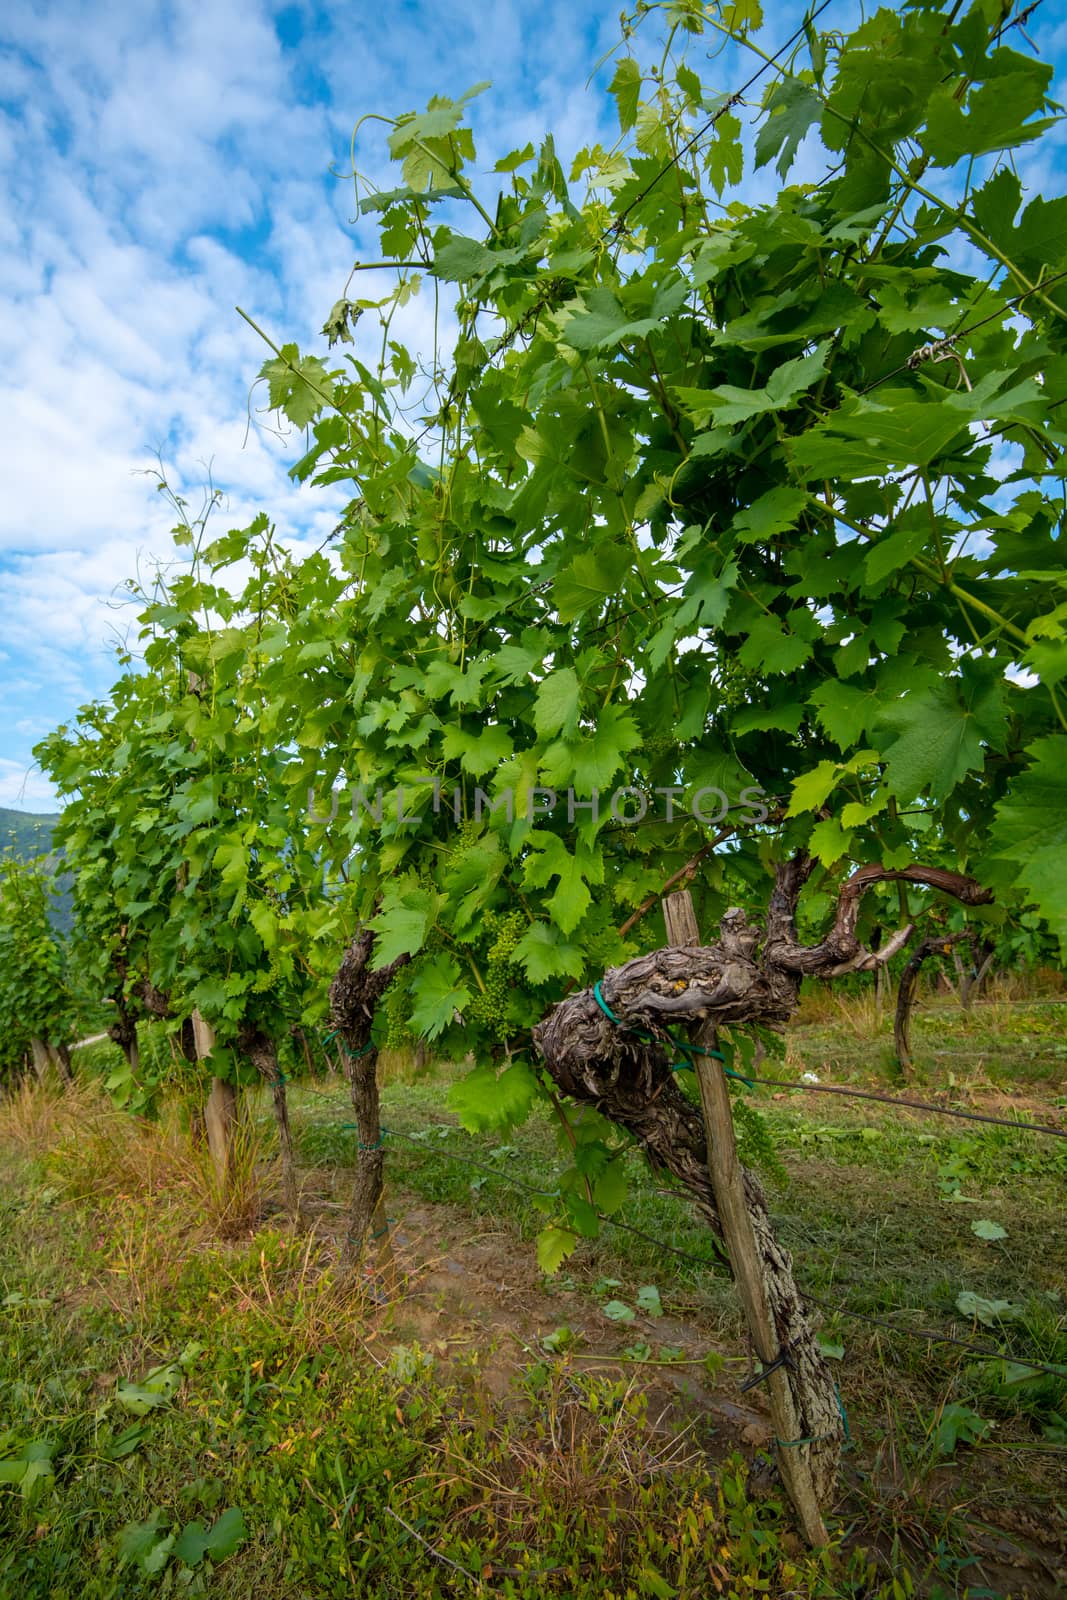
(705, 495)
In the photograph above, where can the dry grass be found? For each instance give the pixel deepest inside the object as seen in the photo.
(822, 1003)
(295, 1296)
(36, 1116)
(404, 1066)
(95, 1152)
(114, 1156)
(166, 1203)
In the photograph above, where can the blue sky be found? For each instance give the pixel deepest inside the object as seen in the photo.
(160, 164)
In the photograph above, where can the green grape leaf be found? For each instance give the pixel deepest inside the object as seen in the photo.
(1030, 830)
(554, 1245)
(590, 580)
(958, 1424)
(933, 737)
(626, 88)
(793, 107)
(487, 1099)
(990, 1231)
(438, 994)
(648, 1300)
(300, 386)
(544, 954)
(408, 912)
(556, 706)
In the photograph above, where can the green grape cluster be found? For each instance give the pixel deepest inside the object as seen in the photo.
(491, 1010)
(394, 1006)
(269, 978)
(508, 929)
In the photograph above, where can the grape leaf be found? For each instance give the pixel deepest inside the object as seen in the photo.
(438, 994)
(556, 706)
(991, 1231)
(554, 1245)
(932, 738)
(544, 954)
(625, 85)
(1030, 830)
(487, 1099)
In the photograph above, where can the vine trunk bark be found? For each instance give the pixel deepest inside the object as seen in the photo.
(354, 996)
(611, 1047)
(942, 944)
(221, 1112)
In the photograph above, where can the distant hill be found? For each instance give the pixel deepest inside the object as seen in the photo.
(26, 833)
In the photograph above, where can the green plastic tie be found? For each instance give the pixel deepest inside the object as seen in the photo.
(844, 1414)
(353, 1055)
(353, 1127)
(606, 1009)
(687, 1049)
(818, 1438)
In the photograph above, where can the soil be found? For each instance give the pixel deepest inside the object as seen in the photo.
(476, 1301)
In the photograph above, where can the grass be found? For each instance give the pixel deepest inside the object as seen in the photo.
(188, 1405)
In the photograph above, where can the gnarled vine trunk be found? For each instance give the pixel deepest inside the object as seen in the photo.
(354, 996)
(940, 944)
(610, 1052)
(60, 1054)
(123, 1032)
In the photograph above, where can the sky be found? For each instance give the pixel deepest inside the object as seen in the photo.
(159, 165)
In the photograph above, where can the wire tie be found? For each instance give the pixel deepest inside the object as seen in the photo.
(605, 1008)
(683, 1045)
(780, 1360)
(353, 1055)
(844, 1414)
(365, 1050)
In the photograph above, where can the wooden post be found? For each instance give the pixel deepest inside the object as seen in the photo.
(727, 1178)
(220, 1108)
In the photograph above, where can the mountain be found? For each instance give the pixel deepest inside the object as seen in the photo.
(26, 833)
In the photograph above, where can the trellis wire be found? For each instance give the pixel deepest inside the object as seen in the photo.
(912, 1105)
(925, 1335)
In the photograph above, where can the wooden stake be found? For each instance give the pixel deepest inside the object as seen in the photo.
(220, 1108)
(727, 1180)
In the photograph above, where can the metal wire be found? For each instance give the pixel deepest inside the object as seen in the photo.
(926, 1335)
(912, 1105)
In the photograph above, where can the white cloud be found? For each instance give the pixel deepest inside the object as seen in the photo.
(24, 788)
